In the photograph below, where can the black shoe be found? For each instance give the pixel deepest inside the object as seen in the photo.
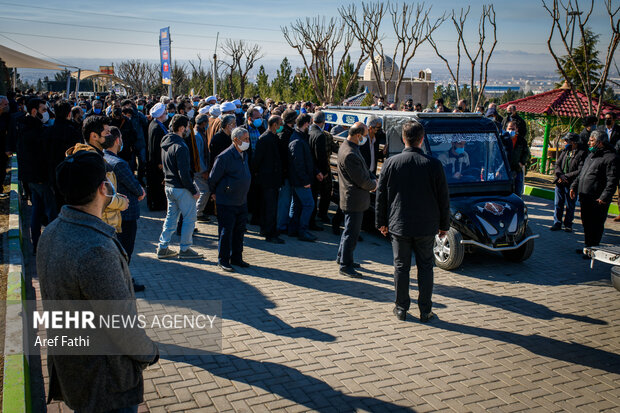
(325, 219)
(275, 240)
(568, 229)
(400, 313)
(315, 227)
(225, 267)
(203, 218)
(350, 272)
(306, 236)
(555, 227)
(425, 318)
(241, 264)
(137, 287)
(355, 264)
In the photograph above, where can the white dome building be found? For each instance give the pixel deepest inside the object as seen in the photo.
(369, 74)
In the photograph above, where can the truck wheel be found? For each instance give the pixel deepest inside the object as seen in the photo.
(449, 252)
(522, 253)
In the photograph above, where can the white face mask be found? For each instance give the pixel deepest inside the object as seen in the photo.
(244, 146)
(46, 117)
(190, 114)
(363, 141)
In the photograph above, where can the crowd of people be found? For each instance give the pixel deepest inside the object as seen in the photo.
(87, 162)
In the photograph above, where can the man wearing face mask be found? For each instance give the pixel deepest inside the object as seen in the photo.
(229, 182)
(355, 184)
(519, 156)
(513, 116)
(267, 168)
(370, 149)
(96, 110)
(613, 133)
(155, 195)
(33, 150)
(589, 125)
(181, 192)
(255, 128)
(171, 110)
(301, 173)
(455, 161)
(596, 184)
(567, 167)
(80, 259)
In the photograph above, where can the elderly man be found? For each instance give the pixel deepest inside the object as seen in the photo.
(155, 195)
(355, 184)
(230, 182)
(595, 186)
(370, 150)
(200, 163)
(97, 109)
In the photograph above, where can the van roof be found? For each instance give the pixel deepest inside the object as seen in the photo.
(344, 115)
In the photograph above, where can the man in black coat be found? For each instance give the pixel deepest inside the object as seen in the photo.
(589, 125)
(513, 116)
(596, 185)
(567, 168)
(221, 140)
(285, 195)
(613, 134)
(155, 195)
(267, 168)
(33, 151)
(301, 172)
(320, 156)
(413, 206)
(355, 182)
(370, 150)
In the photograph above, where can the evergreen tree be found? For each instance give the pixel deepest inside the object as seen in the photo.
(262, 83)
(581, 54)
(62, 76)
(281, 85)
(348, 73)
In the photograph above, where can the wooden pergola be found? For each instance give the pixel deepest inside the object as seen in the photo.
(556, 107)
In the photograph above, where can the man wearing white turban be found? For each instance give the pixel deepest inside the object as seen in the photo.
(155, 195)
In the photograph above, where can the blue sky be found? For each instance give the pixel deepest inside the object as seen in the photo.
(71, 27)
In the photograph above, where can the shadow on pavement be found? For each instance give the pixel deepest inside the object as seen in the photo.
(543, 346)
(241, 302)
(283, 381)
(509, 303)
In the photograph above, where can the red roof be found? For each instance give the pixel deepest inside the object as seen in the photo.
(559, 102)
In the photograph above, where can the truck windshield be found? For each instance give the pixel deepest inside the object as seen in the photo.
(469, 157)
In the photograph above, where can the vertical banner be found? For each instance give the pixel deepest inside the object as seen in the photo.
(164, 55)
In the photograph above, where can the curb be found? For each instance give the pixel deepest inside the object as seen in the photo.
(549, 194)
(16, 384)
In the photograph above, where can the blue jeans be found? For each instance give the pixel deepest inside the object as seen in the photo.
(519, 183)
(180, 201)
(231, 221)
(562, 198)
(284, 205)
(43, 207)
(348, 240)
(301, 210)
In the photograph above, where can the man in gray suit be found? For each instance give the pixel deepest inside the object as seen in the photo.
(355, 183)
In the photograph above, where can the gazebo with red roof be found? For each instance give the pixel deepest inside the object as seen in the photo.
(558, 102)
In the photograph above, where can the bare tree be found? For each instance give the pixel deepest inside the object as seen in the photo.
(323, 45)
(138, 74)
(478, 58)
(565, 16)
(412, 26)
(243, 57)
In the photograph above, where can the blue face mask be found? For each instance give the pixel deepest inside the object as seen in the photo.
(297, 111)
(568, 146)
(50, 122)
(512, 133)
(170, 115)
(363, 141)
(238, 111)
(257, 122)
(140, 107)
(459, 151)
(280, 129)
(97, 111)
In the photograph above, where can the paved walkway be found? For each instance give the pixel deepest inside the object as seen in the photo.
(297, 336)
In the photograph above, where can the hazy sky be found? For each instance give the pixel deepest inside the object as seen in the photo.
(113, 30)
